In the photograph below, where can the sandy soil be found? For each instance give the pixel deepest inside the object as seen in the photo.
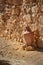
(12, 51)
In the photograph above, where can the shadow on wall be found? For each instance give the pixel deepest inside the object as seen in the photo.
(3, 62)
(40, 45)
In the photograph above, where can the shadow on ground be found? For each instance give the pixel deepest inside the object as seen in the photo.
(40, 49)
(3, 62)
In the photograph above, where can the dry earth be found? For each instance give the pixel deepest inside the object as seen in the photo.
(11, 52)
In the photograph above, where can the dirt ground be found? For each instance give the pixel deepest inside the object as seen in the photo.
(11, 52)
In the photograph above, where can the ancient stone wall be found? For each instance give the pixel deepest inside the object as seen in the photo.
(15, 18)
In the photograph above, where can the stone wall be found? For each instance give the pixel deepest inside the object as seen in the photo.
(15, 18)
